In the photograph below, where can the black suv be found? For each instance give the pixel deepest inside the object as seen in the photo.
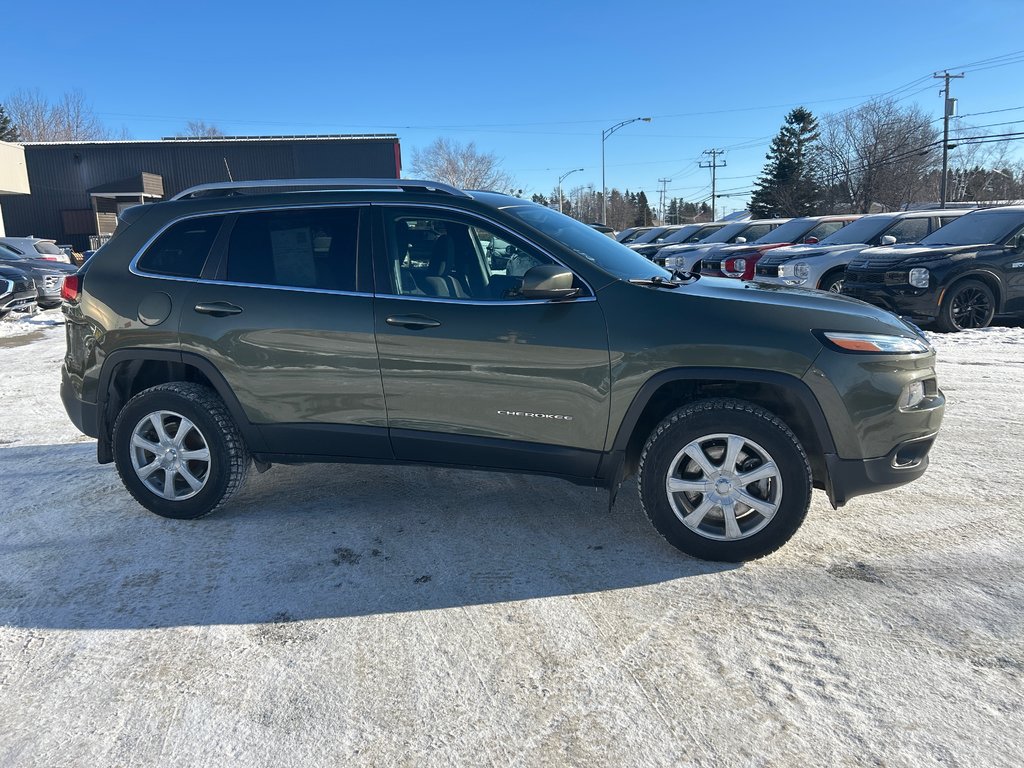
(362, 321)
(958, 277)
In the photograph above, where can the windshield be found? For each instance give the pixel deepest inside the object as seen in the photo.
(44, 246)
(790, 232)
(978, 228)
(649, 235)
(691, 233)
(611, 256)
(861, 231)
(728, 232)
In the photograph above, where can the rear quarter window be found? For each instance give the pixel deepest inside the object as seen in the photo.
(182, 249)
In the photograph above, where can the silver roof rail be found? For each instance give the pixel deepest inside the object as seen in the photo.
(406, 184)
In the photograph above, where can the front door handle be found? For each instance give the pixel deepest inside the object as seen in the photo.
(413, 322)
(218, 309)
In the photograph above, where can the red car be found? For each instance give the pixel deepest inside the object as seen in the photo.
(738, 261)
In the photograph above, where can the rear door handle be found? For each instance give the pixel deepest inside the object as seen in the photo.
(413, 322)
(218, 309)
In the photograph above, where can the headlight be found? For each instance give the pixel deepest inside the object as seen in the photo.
(912, 394)
(796, 272)
(874, 343)
(918, 277)
(734, 267)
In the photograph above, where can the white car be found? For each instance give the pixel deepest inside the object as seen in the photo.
(35, 248)
(823, 264)
(686, 257)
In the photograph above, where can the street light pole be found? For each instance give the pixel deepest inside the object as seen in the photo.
(560, 180)
(604, 135)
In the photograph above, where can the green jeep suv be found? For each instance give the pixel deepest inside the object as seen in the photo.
(399, 321)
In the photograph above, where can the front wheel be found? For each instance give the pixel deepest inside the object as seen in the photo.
(833, 281)
(725, 480)
(968, 304)
(178, 451)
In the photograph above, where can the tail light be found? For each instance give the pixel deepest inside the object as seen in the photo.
(70, 288)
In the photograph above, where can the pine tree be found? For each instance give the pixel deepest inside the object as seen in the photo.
(8, 130)
(789, 184)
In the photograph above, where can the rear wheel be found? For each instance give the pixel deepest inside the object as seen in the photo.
(968, 304)
(178, 451)
(725, 480)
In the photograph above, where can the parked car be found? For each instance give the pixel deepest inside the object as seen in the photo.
(604, 229)
(822, 266)
(17, 290)
(959, 277)
(650, 235)
(630, 234)
(48, 275)
(216, 332)
(36, 248)
(738, 261)
(687, 257)
(686, 234)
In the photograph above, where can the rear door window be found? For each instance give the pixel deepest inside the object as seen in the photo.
(314, 248)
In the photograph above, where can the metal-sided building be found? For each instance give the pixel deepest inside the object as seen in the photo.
(78, 188)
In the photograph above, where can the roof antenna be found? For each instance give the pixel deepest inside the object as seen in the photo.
(228, 169)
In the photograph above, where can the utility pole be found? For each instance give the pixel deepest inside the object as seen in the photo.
(661, 206)
(713, 164)
(948, 110)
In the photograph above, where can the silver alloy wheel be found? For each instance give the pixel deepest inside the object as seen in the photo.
(724, 487)
(170, 455)
(836, 286)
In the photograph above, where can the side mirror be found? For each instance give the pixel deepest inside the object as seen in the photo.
(810, 241)
(740, 240)
(548, 281)
(1018, 244)
(888, 240)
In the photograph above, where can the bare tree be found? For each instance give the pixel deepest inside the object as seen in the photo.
(878, 155)
(201, 130)
(71, 118)
(461, 165)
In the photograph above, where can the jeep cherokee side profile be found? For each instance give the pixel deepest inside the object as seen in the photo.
(294, 321)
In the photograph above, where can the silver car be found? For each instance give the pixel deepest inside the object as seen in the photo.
(823, 264)
(686, 257)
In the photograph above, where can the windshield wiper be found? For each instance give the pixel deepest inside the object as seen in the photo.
(655, 282)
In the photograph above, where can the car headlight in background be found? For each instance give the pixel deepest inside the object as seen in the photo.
(874, 343)
(734, 267)
(795, 274)
(918, 277)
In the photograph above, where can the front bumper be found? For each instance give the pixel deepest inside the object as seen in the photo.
(17, 301)
(855, 477)
(917, 303)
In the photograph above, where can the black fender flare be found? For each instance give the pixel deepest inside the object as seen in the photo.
(250, 431)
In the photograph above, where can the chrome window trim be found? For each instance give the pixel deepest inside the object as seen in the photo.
(133, 267)
(8, 289)
(501, 228)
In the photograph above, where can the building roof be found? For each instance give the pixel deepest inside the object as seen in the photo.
(225, 139)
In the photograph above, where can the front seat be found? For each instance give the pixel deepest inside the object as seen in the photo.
(438, 281)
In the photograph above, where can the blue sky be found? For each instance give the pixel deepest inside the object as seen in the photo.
(533, 82)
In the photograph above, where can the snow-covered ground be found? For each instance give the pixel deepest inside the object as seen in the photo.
(383, 616)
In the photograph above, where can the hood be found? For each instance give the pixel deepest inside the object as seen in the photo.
(810, 251)
(827, 311)
(888, 256)
(671, 250)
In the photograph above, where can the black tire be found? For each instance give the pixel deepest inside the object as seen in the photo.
(967, 304)
(767, 440)
(833, 281)
(223, 471)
